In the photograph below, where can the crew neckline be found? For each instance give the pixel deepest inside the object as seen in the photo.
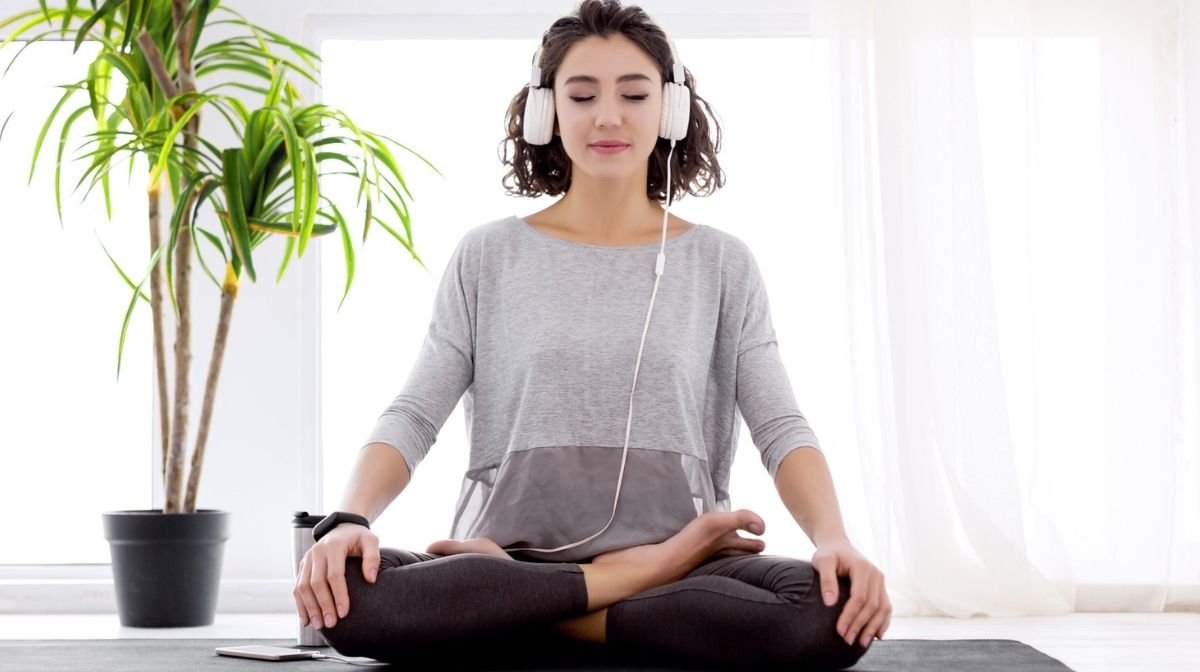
(572, 243)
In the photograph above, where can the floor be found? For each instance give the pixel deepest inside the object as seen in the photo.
(1123, 642)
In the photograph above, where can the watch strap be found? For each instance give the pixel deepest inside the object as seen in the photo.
(337, 518)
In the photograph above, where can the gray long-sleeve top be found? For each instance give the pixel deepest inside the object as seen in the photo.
(542, 335)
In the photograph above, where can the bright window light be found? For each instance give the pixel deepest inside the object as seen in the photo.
(74, 439)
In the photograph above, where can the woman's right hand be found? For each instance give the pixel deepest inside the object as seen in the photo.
(320, 590)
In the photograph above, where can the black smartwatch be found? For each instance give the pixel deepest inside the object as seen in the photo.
(337, 518)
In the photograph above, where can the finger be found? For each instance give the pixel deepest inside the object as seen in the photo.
(887, 609)
(829, 583)
(864, 592)
(854, 604)
(306, 594)
(298, 592)
(335, 573)
(873, 627)
(320, 587)
(370, 556)
(751, 545)
(758, 526)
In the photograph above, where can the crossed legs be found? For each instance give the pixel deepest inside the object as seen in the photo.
(703, 595)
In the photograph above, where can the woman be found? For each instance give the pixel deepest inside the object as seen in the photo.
(563, 531)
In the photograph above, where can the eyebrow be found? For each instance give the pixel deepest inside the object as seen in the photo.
(592, 80)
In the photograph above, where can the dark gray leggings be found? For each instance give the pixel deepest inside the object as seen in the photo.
(740, 610)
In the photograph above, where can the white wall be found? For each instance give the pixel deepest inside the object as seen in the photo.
(262, 455)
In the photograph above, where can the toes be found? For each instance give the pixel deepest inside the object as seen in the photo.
(443, 547)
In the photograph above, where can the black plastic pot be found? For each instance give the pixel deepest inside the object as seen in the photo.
(166, 566)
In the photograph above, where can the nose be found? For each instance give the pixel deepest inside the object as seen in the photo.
(608, 113)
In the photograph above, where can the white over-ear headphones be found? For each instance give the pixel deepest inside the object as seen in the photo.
(538, 121)
(673, 125)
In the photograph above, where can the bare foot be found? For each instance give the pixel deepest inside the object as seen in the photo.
(476, 545)
(707, 534)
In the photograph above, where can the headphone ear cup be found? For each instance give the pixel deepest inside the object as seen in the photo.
(539, 116)
(676, 111)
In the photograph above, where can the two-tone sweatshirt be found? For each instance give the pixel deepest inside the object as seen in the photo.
(539, 337)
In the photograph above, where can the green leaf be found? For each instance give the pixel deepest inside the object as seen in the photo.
(309, 56)
(289, 245)
(137, 291)
(169, 141)
(96, 16)
(121, 63)
(410, 151)
(28, 43)
(200, 255)
(234, 164)
(282, 229)
(20, 30)
(216, 242)
(37, 145)
(275, 88)
(247, 66)
(347, 251)
(206, 193)
(402, 242)
(118, 267)
(310, 197)
(62, 143)
(132, 10)
(5, 124)
(292, 143)
(384, 154)
(194, 182)
(260, 90)
(234, 49)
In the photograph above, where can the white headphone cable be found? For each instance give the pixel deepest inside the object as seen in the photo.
(659, 265)
(357, 660)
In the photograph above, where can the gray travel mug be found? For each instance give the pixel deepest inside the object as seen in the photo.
(302, 540)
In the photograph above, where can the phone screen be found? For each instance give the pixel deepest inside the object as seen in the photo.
(261, 652)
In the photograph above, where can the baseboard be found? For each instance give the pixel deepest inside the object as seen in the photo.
(98, 596)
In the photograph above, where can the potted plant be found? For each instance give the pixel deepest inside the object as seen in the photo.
(166, 563)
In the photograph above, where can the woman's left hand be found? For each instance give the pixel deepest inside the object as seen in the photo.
(868, 613)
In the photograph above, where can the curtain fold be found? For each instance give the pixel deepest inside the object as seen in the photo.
(1022, 281)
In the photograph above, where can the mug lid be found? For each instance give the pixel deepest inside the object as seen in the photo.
(304, 519)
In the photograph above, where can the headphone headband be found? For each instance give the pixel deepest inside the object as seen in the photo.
(677, 74)
(538, 120)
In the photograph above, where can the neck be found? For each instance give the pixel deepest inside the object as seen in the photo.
(610, 210)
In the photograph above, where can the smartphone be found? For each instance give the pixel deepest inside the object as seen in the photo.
(266, 652)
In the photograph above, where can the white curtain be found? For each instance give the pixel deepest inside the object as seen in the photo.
(1021, 282)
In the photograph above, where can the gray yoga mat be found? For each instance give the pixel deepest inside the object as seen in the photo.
(184, 655)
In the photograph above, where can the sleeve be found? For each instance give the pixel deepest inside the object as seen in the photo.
(764, 391)
(444, 367)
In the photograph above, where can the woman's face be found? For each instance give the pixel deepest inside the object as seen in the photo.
(608, 89)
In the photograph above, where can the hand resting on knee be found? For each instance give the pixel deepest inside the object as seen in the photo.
(320, 590)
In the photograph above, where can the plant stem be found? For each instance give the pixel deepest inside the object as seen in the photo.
(228, 296)
(157, 67)
(160, 359)
(183, 270)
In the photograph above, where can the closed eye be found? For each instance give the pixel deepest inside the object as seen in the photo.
(579, 99)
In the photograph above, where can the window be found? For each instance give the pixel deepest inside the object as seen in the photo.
(74, 440)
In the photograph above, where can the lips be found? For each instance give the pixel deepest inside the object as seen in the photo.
(610, 143)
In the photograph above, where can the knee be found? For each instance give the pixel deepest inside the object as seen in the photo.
(826, 645)
(350, 634)
(809, 637)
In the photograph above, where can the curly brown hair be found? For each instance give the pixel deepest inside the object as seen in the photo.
(546, 169)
